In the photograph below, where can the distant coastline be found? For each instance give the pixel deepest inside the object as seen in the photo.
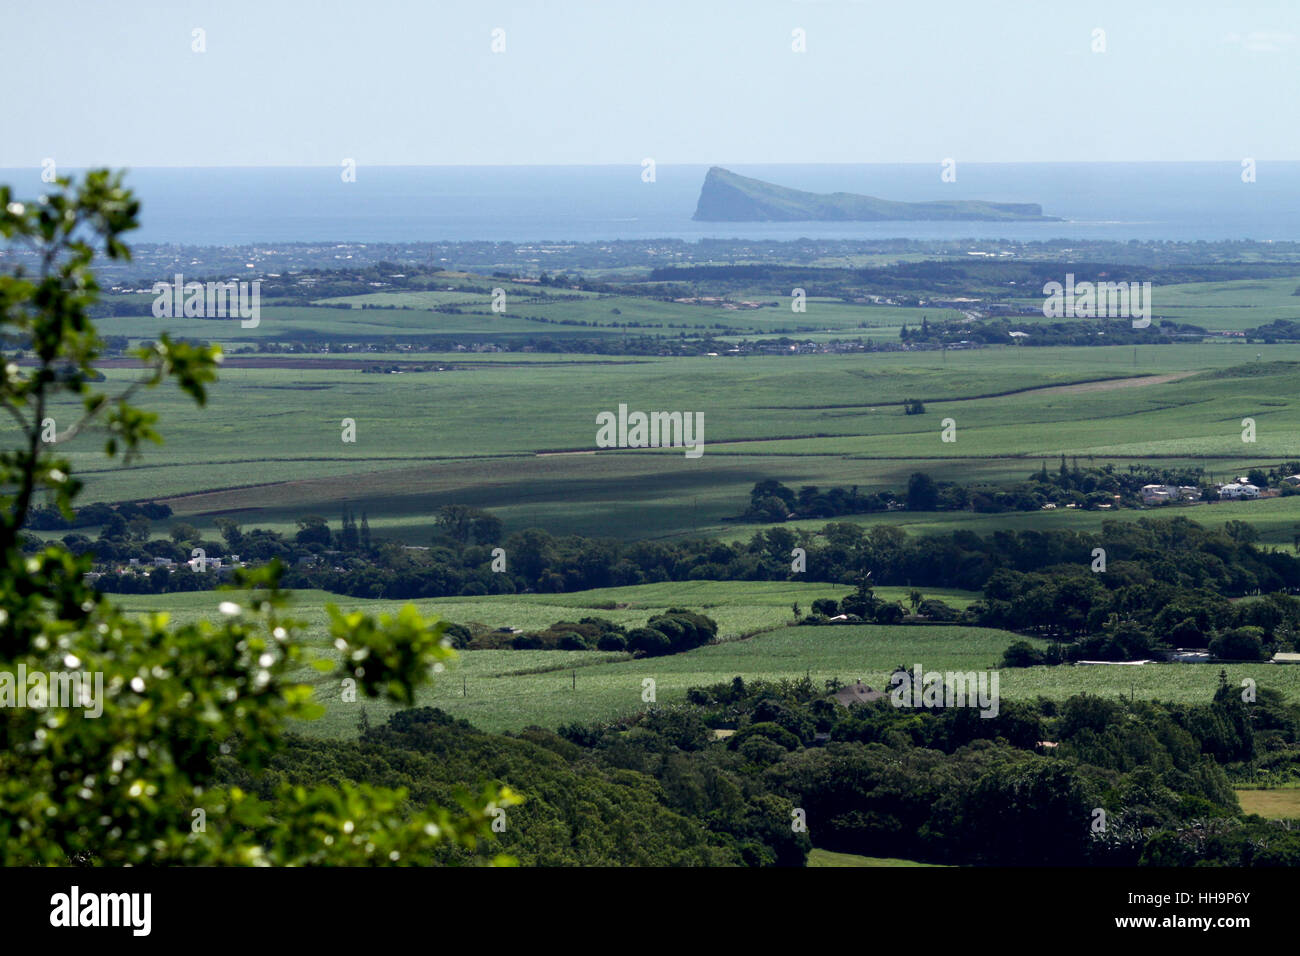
(1116, 202)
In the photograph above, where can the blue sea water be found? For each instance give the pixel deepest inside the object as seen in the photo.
(1118, 201)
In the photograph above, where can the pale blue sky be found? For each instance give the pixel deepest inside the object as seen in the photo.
(414, 82)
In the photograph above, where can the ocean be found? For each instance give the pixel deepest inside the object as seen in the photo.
(1115, 201)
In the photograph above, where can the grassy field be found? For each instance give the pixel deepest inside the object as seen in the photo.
(516, 434)
(741, 608)
(509, 689)
(527, 310)
(1281, 803)
(1218, 306)
(828, 858)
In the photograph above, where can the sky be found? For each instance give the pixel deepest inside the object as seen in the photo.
(401, 82)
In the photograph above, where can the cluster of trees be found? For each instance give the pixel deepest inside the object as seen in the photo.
(1279, 330)
(1123, 614)
(864, 607)
(1128, 613)
(950, 786)
(463, 525)
(674, 631)
(121, 540)
(771, 501)
(652, 792)
(590, 633)
(49, 518)
(671, 632)
(941, 786)
(606, 344)
(1081, 332)
(1088, 488)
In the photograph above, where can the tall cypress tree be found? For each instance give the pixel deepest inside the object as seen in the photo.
(348, 539)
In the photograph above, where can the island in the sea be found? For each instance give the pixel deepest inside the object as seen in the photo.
(728, 197)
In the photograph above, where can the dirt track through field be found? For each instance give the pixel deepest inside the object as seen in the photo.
(1094, 385)
(1111, 383)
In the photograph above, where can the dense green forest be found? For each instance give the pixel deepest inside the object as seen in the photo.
(946, 786)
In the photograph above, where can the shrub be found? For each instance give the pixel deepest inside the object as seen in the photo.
(936, 610)
(1186, 633)
(1022, 654)
(674, 629)
(1239, 644)
(889, 614)
(649, 642)
(761, 750)
(864, 607)
(769, 730)
(826, 606)
(570, 641)
(459, 635)
(601, 624)
(685, 629)
(610, 641)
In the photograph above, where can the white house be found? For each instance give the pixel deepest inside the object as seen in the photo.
(1238, 489)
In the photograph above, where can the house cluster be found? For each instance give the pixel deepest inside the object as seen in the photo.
(1155, 494)
(223, 567)
(1241, 488)
(720, 302)
(1191, 655)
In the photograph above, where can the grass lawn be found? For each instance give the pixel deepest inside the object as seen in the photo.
(828, 858)
(1281, 803)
